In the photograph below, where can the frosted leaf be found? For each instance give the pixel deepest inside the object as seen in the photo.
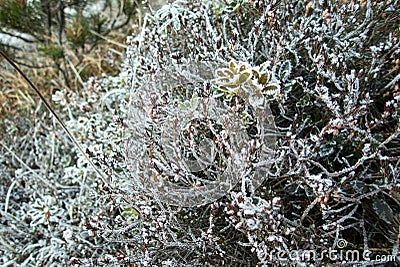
(44, 210)
(285, 70)
(244, 77)
(60, 97)
(187, 147)
(271, 88)
(170, 14)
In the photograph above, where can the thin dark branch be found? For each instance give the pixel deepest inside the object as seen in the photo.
(59, 120)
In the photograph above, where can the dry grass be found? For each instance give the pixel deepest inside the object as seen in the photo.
(16, 96)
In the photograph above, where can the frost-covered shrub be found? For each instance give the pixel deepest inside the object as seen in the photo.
(310, 92)
(54, 204)
(191, 139)
(335, 105)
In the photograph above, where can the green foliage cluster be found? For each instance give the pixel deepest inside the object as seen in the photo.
(21, 17)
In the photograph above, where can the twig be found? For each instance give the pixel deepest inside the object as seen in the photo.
(73, 139)
(78, 76)
(108, 40)
(26, 166)
(9, 194)
(308, 209)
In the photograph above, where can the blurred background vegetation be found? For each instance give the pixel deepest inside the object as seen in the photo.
(60, 44)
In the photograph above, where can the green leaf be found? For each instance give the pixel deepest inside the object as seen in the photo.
(263, 67)
(271, 87)
(130, 214)
(263, 78)
(222, 80)
(244, 77)
(224, 72)
(271, 119)
(256, 74)
(230, 85)
(232, 65)
(304, 101)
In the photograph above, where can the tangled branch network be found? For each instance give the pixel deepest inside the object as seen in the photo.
(193, 137)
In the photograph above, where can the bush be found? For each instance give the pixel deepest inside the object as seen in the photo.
(238, 132)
